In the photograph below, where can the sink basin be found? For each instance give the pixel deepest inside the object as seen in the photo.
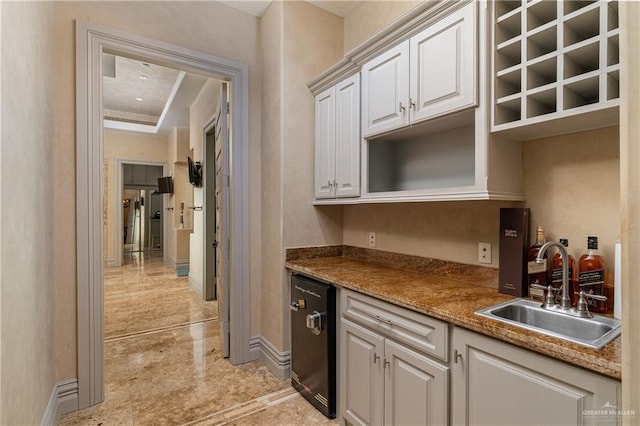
(592, 332)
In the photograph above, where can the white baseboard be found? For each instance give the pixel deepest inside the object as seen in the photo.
(195, 284)
(63, 400)
(278, 362)
(67, 396)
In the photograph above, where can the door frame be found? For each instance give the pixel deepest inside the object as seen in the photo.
(91, 41)
(116, 205)
(208, 185)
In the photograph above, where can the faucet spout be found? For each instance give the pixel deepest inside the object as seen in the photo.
(565, 301)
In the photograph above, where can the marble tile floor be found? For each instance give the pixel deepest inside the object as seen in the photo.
(174, 374)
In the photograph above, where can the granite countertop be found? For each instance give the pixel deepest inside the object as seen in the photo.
(447, 294)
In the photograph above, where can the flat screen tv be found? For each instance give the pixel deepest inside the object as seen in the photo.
(165, 185)
(195, 172)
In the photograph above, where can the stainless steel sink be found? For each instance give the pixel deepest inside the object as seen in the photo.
(592, 332)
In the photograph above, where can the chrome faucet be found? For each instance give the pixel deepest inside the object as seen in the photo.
(565, 301)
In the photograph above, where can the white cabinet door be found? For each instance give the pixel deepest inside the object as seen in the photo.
(361, 367)
(325, 143)
(385, 91)
(443, 64)
(416, 388)
(495, 383)
(347, 151)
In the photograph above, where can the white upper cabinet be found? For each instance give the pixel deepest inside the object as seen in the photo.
(347, 175)
(337, 163)
(325, 143)
(431, 74)
(385, 91)
(443, 64)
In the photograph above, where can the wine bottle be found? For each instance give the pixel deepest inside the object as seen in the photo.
(537, 271)
(591, 276)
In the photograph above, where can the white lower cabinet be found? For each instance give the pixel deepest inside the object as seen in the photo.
(495, 383)
(384, 381)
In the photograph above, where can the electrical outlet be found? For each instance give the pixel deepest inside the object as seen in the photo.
(484, 252)
(372, 239)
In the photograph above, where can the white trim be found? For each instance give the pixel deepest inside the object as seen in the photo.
(278, 362)
(91, 40)
(116, 204)
(50, 415)
(195, 284)
(63, 400)
(67, 396)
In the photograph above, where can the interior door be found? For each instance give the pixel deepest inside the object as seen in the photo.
(222, 216)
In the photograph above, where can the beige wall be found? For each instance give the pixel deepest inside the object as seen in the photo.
(177, 241)
(572, 185)
(200, 114)
(271, 28)
(209, 27)
(289, 32)
(630, 206)
(120, 144)
(370, 17)
(27, 369)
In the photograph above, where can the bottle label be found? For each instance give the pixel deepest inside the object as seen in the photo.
(534, 267)
(556, 275)
(591, 277)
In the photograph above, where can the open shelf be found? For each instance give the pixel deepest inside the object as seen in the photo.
(581, 60)
(568, 64)
(507, 7)
(508, 55)
(509, 83)
(581, 92)
(509, 28)
(581, 27)
(433, 157)
(508, 111)
(612, 16)
(541, 103)
(542, 73)
(541, 12)
(542, 42)
(573, 5)
(613, 50)
(613, 84)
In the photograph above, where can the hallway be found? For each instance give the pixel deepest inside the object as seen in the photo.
(164, 365)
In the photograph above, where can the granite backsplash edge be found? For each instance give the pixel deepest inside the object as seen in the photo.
(473, 274)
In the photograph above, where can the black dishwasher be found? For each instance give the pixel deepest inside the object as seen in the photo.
(313, 342)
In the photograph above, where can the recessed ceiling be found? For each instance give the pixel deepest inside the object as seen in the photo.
(257, 8)
(145, 97)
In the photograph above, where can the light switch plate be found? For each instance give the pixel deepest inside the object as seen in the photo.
(484, 252)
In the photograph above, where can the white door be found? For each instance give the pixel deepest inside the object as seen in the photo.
(347, 150)
(325, 144)
(385, 91)
(361, 373)
(443, 66)
(222, 217)
(415, 388)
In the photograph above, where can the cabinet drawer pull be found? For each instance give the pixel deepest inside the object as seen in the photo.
(402, 108)
(376, 357)
(412, 104)
(386, 362)
(456, 356)
(379, 318)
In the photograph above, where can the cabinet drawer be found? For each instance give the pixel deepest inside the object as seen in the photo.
(421, 332)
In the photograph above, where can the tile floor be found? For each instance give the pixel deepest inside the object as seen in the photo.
(163, 361)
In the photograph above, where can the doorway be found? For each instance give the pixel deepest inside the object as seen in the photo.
(92, 41)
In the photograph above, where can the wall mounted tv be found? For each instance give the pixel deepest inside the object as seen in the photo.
(195, 172)
(165, 185)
